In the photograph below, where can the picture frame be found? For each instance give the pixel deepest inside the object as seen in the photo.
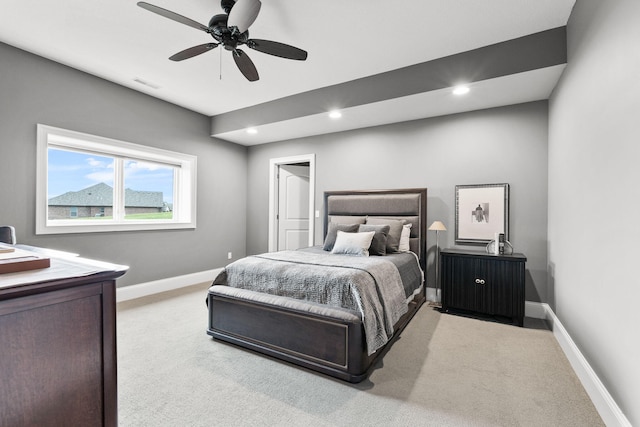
(481, 211)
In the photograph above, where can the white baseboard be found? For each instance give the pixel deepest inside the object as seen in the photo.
(605, 405)
(149, 288)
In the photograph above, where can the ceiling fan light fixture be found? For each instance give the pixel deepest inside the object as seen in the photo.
(231, 29)
(461, 90)
(335, 114)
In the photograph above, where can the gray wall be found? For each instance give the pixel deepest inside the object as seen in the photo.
(594, 206)
(35, 90)
(491, 146)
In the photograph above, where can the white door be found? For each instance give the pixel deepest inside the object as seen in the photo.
(293, 207)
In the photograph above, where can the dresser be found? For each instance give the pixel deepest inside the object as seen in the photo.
(58, 344)
(476, 282)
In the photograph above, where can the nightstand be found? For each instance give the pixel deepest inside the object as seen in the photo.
(480, 283)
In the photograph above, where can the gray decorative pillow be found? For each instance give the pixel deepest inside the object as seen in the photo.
(379, 242)
(332, 232)
(395, 231)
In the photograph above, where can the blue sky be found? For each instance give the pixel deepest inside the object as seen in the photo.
(73, 171)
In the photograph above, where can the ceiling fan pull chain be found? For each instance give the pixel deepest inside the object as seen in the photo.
(220, 62)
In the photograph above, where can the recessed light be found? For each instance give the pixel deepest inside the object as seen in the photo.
(335, 114)
(460, 90)
(252, 130)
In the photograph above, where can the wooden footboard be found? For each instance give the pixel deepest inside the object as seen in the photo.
(326, 341)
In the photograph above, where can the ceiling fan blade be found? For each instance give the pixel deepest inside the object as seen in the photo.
(245, 65)
(243, 14)
(193, 51)
(277, 49)
(173, 16)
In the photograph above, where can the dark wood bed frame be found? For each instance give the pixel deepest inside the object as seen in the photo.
(332, 345)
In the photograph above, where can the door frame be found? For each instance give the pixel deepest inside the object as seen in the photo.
(274, 164)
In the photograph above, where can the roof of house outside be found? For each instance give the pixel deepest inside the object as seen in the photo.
(102, 195)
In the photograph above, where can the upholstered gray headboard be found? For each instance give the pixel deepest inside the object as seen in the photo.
(408, 204)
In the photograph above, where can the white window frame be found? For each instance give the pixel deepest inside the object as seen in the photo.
(184, 203)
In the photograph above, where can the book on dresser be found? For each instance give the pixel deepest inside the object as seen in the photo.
(13, 260)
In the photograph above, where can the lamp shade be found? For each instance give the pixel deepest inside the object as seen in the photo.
(437, 226)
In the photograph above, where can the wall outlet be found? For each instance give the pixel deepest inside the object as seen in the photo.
(229, 255)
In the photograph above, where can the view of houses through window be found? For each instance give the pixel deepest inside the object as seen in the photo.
(81, 186)
(88, 183)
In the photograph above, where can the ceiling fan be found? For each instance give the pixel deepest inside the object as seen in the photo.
(230, 29)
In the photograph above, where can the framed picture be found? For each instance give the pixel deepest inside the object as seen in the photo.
(481, 211)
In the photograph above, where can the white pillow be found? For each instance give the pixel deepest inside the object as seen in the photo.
(353, 243)
(404, 239)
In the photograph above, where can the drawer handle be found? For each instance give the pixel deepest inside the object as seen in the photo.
(480, 281)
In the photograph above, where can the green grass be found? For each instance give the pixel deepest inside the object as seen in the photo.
(149, 215)
(154, 215)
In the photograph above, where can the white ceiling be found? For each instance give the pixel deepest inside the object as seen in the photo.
(346, 40)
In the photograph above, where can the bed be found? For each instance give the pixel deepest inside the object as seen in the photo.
(333, 339)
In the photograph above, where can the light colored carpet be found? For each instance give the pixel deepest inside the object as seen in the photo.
(445, 370)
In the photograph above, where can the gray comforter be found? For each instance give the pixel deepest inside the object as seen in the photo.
(371, 286)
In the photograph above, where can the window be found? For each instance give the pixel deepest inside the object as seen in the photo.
(87, 183)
